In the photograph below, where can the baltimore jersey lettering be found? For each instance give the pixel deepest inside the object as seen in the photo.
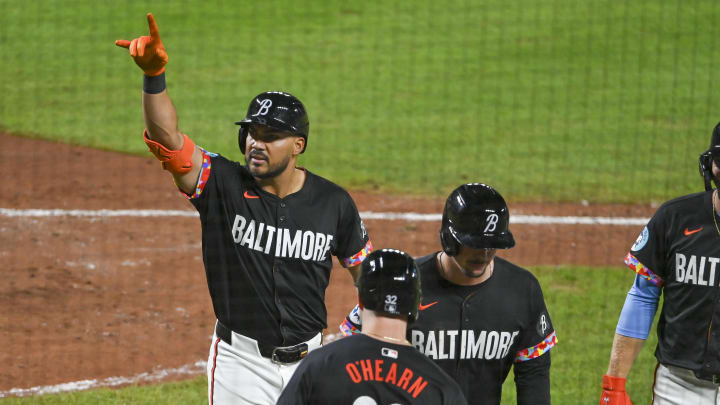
(268, 259)
(441, 344)
(477, 333)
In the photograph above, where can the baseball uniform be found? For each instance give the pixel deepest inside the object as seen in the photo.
(267, 261)
(678, 251)
(361, 370)
(477, 333)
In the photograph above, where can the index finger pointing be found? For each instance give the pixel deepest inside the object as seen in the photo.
(154, 32)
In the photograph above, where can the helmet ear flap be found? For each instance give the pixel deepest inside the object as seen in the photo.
(242, 135)
(451, 247)
(705, 166)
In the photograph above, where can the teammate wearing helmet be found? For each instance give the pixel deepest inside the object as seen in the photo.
(378, 366)
(480, 314)
(676, 256)
(269, 229)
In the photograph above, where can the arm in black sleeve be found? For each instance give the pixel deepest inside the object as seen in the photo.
(532, 381)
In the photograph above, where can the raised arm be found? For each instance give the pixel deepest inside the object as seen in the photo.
(176, 151)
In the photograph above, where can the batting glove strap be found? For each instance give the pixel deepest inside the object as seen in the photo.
(614, 391)
(612, 383)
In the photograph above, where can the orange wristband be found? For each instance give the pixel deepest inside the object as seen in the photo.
(174, 161)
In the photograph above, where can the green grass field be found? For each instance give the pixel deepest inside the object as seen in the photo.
(584, 304)
(547, 100)
(558, 100)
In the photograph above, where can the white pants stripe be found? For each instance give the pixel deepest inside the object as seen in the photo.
(679, 386)
(238, 374)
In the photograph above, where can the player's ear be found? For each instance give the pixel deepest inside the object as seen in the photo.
(298, 145)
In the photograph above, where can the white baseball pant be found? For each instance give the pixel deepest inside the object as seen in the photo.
(679, 386)
(239, 374)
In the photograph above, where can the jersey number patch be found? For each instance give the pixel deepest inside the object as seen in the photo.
(391, 303)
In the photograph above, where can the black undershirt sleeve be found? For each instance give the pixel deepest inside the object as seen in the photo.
(532, 381)
(299, 389)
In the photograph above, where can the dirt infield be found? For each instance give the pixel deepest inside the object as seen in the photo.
(91, 298)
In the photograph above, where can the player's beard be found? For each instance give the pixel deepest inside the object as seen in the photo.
(273, 170)
(473, 273)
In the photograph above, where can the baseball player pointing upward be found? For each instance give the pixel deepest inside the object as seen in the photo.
(269, 229)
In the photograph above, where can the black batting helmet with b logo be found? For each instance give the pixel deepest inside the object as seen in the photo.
(278, 110)
(475, 216)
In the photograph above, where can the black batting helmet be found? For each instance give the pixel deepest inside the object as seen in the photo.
(706, 158)
(390, 283)
(475, 216)
(278, 110)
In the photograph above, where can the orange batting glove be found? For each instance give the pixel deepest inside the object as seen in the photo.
(147, 51)
(614, 391)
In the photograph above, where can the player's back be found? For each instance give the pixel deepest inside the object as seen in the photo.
(360, 370)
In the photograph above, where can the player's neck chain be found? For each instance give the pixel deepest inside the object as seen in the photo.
(442, 266)
(392, 339)
(488, 268)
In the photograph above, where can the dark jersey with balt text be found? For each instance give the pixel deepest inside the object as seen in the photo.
(477, 333)
(679, 251)
(268, 259)
(366, 371)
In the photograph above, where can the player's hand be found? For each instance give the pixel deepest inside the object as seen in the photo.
(614, 391)
(147, 51)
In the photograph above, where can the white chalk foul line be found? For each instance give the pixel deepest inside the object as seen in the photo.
(9, 212)
(159, 375)
(199, 367)
(366, 215)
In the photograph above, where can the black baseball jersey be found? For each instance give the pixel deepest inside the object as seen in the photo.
(679, 251)
(476, 333)
(267, 259)
(361, 370)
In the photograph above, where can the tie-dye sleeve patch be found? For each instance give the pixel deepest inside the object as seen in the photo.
(537, 350)
(642, 270)
(204, 174)
(348, 328)
(358, 257)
